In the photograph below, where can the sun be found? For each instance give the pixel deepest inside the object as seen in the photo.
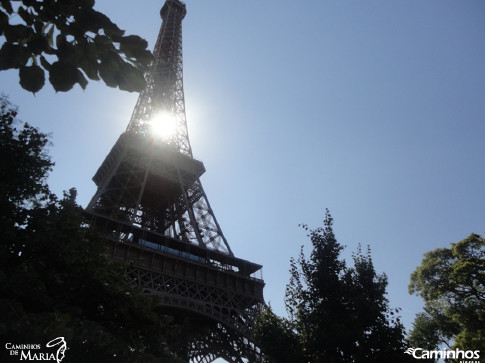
(163, 125)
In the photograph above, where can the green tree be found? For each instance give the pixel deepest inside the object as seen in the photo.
(24, 165)
(452, 283)
(54, 277)
(277, 338)
(336, 313)
(71, 42)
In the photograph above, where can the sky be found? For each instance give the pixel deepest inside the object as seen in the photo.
(374, 110)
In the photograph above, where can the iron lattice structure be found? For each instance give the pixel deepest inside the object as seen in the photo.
(151, 205)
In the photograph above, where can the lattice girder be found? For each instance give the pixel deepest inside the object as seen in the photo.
(164, 91)
(151, 206)
(227, 299)
(156, 187)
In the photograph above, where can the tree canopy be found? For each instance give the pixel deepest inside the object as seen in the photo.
(24, 165)
(336, 313)
(70, 41)
(452, 283)
(54, 277)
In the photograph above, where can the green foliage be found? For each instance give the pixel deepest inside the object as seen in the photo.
(71, 41)
(54, 277)
(452, 283)
(277, 338)
(24, 165)
(336, 313)
(431, 329)
(62, 285)
(24, 161)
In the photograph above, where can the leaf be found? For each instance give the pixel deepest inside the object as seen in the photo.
(13, 56)
(39, 44)
(81, 79)
(50, 36)
(131, 79)
(98, 20)
(7, 6)
(109, 68)
(108, 75)
(87, 3)
(79, 57)
(39, 25)
(114, 32)
(110, 28)
(26, 16)
(63, 76)
(146, 57)
(61, 41)
(133, 41)
(70, 53)
(90, 66)
(142, 56)
(134, 48)
(18, 33)
(45, 63)
(45, 26)
(102, 40)
(3, 22)
(32, 78)
(88, 20)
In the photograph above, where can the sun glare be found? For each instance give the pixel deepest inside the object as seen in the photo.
(163, 125)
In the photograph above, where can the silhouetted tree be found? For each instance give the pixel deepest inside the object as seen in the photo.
(54, 277)
(336, 313)
(452, 283)
(277, 338)
(24, 165)
(71, 41)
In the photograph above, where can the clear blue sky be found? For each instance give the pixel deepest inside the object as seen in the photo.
(372, 109)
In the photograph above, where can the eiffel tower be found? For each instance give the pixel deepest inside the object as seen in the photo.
(152, 208)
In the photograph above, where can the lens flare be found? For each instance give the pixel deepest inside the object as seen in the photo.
(163, 125)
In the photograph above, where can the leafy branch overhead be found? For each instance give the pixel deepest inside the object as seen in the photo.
(70, 41)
